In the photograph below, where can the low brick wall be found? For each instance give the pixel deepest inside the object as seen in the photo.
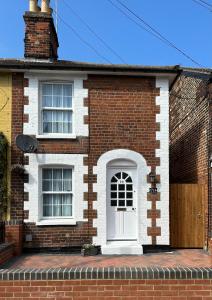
(6, 252)
(105, 283)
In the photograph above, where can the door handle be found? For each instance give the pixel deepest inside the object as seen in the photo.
(133, 208)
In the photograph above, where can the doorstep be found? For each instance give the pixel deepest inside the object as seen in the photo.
(122, 248)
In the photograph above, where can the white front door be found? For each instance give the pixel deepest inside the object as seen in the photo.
(121, 204)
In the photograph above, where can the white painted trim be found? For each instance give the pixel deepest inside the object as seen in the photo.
(100, 188)
(56, 136)
(163, 153)
(33, 108)
(36, 162)
(56, 222)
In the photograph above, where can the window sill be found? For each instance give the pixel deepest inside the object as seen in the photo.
(56, 222)
(57, 136)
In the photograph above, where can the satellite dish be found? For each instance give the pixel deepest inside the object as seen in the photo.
(26, 143)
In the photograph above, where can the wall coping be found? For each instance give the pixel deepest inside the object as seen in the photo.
(106, 273)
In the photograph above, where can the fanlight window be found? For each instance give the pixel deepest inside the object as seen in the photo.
(121, 190)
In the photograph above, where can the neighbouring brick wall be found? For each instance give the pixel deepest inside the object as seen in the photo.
(6, 252)
(189, 128)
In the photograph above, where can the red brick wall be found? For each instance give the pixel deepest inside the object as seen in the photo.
(40, 36)
(122, 114)
(14, 234)
(6, 253)
(17, 192)
(107, 289)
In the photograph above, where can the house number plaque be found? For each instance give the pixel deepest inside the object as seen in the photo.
(153, 190)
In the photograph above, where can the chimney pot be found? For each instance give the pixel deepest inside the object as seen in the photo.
(45, 6)
(33, 5)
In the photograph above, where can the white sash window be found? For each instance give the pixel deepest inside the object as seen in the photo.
(57, 109)
(57, 192)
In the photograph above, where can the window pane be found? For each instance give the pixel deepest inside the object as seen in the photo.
(57, 180)
(121, 195)
(67, 116)
(47, 173)
(57, 127)
(67, 199)
(114, 179)
(113, 195)
(121, 203)
(67, 102)
(47, 205)
(67, 90)
(129, 179)
(57, 205)
(57, 116)
(129, 195)
(113, 203)
(47, 101)
(124, 175)
(47, 89)
(47, 116)
(67, 205)
(57, 101)
(67, 211)
(67, 180)
(129, 187)
(67, 127)
(57, 174)
(113, 187)
(118, 175)
(129, 203)
(47, 199)
(47, 185)
(47, 127)
(58, 122)
(57, 90)
(121, 187)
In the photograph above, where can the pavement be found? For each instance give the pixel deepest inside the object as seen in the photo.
(176, 258)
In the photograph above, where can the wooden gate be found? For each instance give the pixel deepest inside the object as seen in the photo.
(187, 215)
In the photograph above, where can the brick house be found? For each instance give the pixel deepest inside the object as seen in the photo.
(103, 148)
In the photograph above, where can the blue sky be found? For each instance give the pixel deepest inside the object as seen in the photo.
(186, 24)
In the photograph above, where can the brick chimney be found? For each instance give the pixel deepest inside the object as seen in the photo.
(41, 40)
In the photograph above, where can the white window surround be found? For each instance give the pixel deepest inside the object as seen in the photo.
(33, 127)
(33, 187)
(100, 187)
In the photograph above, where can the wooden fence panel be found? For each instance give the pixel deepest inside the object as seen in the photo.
(187, 215)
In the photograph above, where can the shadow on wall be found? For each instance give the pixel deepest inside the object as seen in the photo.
(187, 161)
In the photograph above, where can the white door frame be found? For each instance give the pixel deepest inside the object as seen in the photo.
(101, 189)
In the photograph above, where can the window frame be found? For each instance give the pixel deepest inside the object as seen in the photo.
(42, 217)
(42, 134)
